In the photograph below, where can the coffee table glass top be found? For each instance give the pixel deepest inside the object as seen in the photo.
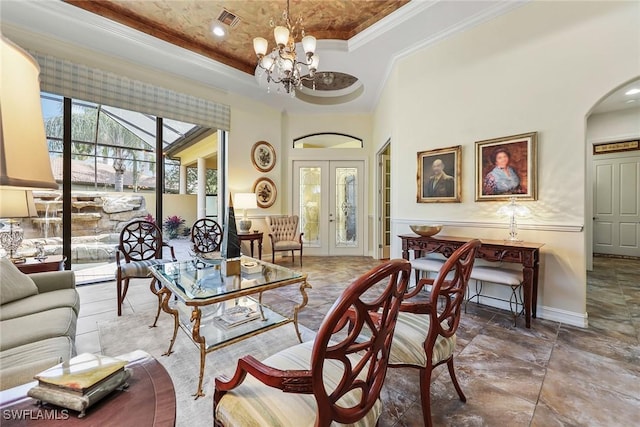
(202, 279)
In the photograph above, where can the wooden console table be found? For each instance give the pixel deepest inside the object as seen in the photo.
(525, 253)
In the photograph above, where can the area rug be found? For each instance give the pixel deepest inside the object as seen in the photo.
(131, 332)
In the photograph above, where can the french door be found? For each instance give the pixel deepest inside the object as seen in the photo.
(329, 199)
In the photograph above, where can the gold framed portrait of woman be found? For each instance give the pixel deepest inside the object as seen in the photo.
(507, 167)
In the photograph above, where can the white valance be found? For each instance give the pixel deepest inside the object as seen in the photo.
(66, 78)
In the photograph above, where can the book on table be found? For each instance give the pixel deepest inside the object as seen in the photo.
(236, 315)
(81, 381)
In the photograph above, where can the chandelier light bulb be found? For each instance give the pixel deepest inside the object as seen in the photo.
(287, 65)
(309, 44)
(266, 62)
(260, 45)
(281, 34)
(315, 60)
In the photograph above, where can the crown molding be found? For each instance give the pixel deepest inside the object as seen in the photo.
(389, 22)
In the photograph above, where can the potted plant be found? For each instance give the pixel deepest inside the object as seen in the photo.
(172, 224)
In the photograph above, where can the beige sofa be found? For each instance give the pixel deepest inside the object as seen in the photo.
(38, 316)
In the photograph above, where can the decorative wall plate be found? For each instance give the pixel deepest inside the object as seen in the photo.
(263, 156)
(266, 192)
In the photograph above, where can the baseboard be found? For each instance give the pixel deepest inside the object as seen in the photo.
(564, 316)
(547, 313)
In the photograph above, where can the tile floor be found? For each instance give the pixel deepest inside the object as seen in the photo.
(550, 375)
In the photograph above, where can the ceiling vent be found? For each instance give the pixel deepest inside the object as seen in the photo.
(228, 18)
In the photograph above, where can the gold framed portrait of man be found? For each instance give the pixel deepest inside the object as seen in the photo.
(439, 175)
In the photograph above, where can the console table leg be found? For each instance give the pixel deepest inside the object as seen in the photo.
(527, 288)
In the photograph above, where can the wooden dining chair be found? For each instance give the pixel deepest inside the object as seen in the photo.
(141, 246)
(337, 377)
(425, 334)
(206, 237)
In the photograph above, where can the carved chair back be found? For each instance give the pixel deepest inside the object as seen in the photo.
(357, 334)
(206, 236)
(141, 240)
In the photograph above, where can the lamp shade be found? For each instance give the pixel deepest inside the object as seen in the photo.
(315, 60)
(513, 209)
(24, 156)
(260, 45)
(267, 62)
(281, 34)
(17, 204)
(245, 201)
(309, 44)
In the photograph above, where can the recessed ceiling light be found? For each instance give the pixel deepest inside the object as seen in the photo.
(218, 31)
(632, 91)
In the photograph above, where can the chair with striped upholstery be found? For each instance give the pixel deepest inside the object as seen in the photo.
(337, 377)
(141, 246)
(425, 331)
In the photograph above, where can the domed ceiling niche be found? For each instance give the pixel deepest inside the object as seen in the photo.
(330, 88)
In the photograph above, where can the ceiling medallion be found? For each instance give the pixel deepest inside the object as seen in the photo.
(281, 65)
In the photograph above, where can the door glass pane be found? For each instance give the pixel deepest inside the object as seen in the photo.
(346, 207)
(310, 205)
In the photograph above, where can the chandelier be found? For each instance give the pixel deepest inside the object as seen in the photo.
(281, 65)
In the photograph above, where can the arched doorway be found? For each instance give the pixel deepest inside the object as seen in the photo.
(613, 173)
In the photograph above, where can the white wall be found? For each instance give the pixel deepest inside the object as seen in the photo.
(539, 68)
(614, 126)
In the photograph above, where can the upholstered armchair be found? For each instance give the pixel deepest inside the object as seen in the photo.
(425, 332)
(206, 237)
(140, 247)
(284, 235)
(335, 378)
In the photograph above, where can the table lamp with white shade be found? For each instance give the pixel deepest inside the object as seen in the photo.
(513, 210)
(24, 155)
(14, 204)
(245, 201)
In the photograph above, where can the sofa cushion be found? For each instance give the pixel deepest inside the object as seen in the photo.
(18, 365)
(14, 284)
(24, 373)
(255, 404)
(57, 322)
(41, 302)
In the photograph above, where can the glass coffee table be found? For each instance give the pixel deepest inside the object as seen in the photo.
(218, 310)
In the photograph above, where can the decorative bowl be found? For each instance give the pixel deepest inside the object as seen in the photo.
(426, 230)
